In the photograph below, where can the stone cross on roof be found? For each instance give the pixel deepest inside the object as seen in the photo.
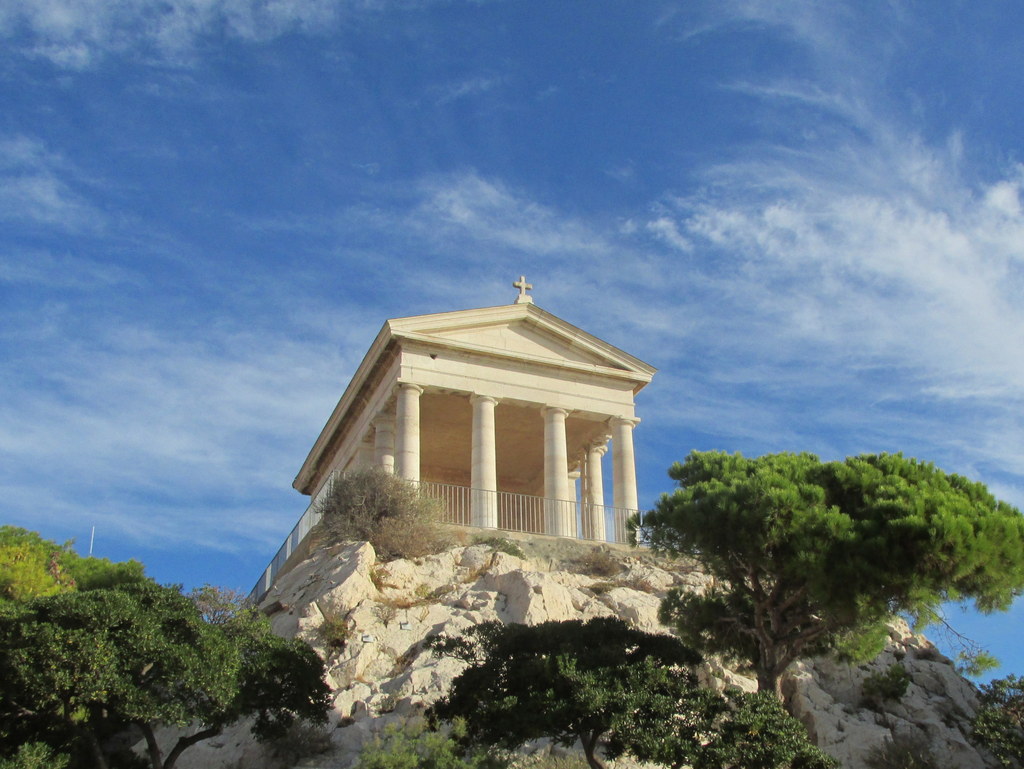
(523, 287)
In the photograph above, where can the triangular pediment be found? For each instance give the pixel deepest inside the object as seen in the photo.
(521, 331)
(524, 339)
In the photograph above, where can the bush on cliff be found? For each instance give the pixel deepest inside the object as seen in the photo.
(375, 506)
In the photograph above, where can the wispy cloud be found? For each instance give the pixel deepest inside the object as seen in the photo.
(885, 271)
(76, 33)
(917, 266)
(461, 89)
(135, 420)
(60, 271)
(72, 33)
(467, 205)
(37, 185)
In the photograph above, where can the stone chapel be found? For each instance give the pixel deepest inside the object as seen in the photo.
(503, 413)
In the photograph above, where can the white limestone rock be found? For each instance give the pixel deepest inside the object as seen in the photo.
(384, 674)
(637, 608)
(531, 598)
(938, 705)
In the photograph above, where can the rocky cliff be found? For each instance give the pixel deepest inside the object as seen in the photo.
(368, 620)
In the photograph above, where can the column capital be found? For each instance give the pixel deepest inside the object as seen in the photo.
(410, 386)
(553, 410)
(477, 398)
(600, 446)
(621, 420)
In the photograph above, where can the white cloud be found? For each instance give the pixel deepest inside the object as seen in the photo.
(174, 437)
(60, 271)
(36, 185)
(461, 89)
(886, 273)
(74, 33)
(468, 205)
(666, 229)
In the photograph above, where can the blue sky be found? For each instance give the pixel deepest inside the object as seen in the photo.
(807, 215)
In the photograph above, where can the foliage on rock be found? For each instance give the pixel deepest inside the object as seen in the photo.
(903, 751)
(597, 562)
(77, 667)
(813, 558)
(888, 685)
(999, 723)
(502, 545)
(378, 507)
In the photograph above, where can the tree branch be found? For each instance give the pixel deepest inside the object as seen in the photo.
(186, 742)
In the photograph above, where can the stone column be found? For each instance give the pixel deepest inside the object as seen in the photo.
(623, 463)
(560, 518)
(594, 500)
(407, 431)
(384, 442)
(484, 473)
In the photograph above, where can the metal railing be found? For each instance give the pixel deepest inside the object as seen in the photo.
(509, 511)
(295, 537)
(464, 506)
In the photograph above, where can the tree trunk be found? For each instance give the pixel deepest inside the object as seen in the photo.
(97, 749)
(770, 681)
(152, 748)
(590, 750)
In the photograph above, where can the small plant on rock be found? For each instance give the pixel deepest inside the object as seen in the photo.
(598, 563)
(903, 751)
(889, 685)
(502, 545)
(334, 631)
(302, 740)
(385, 613)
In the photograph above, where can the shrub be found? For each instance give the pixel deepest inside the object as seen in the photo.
(600, 588)
(889, 685)
(598, 563)
(549, 761)
(385, 613)
(35, 755)
(375, 506)
(302, 740)
(502, 545)
(929, 654)
(903, 751)
(414, 746)
(334, 631)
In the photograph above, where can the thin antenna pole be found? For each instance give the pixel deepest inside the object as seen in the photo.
(92, 538)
